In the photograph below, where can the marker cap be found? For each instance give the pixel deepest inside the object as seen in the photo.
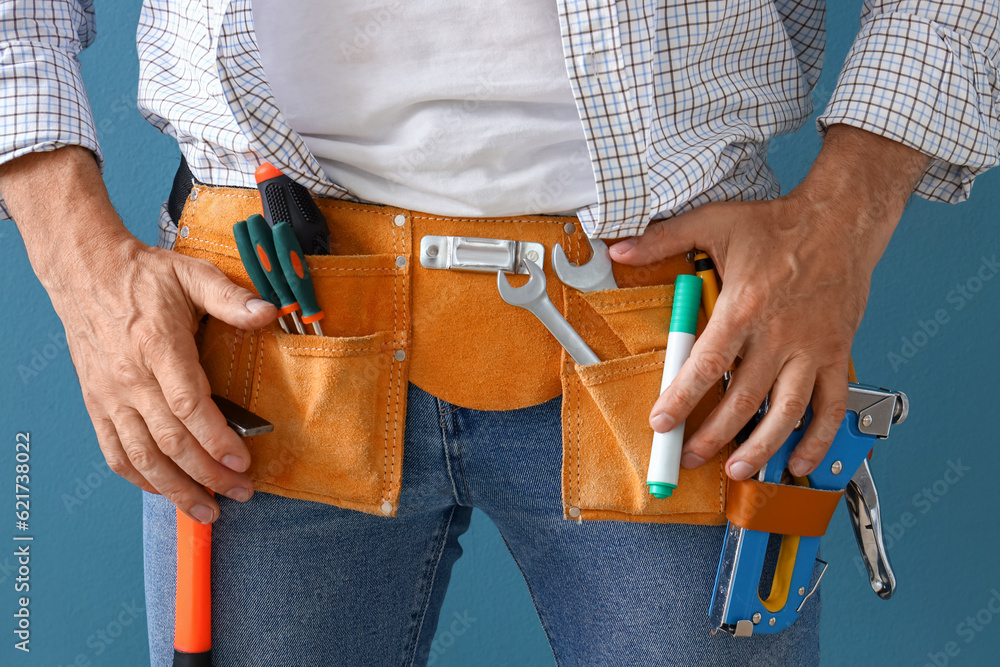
(661, 489)
(687, 298)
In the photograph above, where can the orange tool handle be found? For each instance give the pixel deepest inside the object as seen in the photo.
(193, 611)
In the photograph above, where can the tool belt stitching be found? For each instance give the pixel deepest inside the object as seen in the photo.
(246, 383)
(299, 348)
(260, 364)
(220, 245)
(387, 480)
(386, 271)
(560, 221)
(232, 363)
(631, 369)
(607, 306)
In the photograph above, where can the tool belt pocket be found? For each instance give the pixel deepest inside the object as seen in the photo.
(605, 417)
(337, 401)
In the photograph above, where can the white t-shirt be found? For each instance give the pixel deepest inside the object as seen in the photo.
(451, 107)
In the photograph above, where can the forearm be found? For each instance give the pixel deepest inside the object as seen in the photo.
(855, 162)
(61, 207)
(866, 180)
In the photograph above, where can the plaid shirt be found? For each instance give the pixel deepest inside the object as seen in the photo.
(678, 98)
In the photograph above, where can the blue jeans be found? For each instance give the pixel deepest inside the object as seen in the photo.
(300, 583)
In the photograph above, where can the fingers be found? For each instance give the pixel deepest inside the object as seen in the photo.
(711, 356)
(673, 236)
(216, 295)
(159, 470)
(174, 440)
(829, 407)
(184, 387)
(748, 389)
(114, 454)
(788, 403)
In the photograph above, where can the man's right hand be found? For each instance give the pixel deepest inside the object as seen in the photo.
(130, 313)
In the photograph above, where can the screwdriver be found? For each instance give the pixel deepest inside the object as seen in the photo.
(284, 200)
(252, 266)
(293, 265)
(260, 235)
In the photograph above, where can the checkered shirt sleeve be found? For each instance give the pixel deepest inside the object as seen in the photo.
(925, 73)
(43, 103)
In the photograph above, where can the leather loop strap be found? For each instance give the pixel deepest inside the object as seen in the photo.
(780, 508)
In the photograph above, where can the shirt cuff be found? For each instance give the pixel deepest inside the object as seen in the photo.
(926, 86)
(43, 104)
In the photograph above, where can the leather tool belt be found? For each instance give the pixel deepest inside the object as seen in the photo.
(338, 402)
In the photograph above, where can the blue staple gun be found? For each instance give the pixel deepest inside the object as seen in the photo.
(767, 501)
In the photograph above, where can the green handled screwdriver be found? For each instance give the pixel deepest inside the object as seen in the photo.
(252, 266)
(263, 242)
(293, 264)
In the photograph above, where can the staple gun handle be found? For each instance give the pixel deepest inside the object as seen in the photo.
(862, 502)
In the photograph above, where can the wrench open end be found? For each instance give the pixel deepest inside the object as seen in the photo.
(593, 275)
(525, 294)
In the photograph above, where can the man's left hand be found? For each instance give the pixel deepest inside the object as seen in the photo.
(795, 278)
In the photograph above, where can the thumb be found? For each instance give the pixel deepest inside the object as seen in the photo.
(212, 292)
(666, 238)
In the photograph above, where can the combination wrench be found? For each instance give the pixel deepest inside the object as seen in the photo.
(532, 297)
(593, 275)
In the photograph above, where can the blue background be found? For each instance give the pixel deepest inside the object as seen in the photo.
(87, 562)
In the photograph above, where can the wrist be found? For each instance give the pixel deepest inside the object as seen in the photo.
(859, 185)
(866, 170)
(61, 207)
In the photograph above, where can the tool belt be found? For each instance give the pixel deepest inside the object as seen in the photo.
(338, 401)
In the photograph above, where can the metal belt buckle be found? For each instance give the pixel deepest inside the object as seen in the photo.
(466, 253)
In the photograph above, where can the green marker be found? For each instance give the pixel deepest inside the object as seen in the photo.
(665, 458)
(293, 265)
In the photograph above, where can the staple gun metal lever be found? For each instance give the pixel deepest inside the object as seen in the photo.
(738, 606)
